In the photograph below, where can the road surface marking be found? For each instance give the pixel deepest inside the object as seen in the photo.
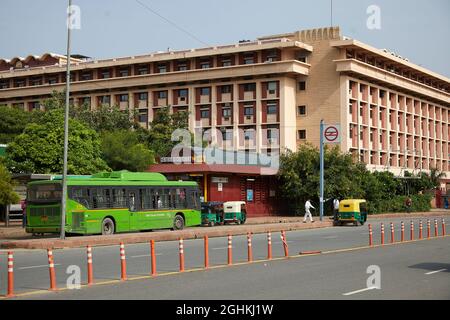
(330, 237)
(431, 272)
(145, 255)
(220, 248)
(41, 266)
(358, 291)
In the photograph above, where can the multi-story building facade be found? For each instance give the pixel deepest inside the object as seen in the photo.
(262, 96)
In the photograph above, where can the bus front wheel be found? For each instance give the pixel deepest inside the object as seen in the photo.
(108, 227)
(178, 222)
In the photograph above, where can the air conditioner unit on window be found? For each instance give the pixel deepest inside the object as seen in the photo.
(182, 98)
(248, 117)
(226, 118)
(272, 91)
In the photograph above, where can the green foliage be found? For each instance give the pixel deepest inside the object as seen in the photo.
(162, 127)
(299, 175)
(7, 194)
(13, 121)
(123, 150)
(39, 149)
(105, 118)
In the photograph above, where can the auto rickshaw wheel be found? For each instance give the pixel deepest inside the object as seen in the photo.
(211, 224)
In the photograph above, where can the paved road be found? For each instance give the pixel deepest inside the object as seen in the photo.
(417, 270)
(31, 270)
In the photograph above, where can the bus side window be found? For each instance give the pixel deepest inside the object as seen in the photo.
(132, 201)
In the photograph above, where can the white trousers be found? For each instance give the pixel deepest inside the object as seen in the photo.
(308, 214)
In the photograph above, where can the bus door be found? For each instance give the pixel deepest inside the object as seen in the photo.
(133, 207)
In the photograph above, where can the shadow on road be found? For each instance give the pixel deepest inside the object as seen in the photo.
(431, 266)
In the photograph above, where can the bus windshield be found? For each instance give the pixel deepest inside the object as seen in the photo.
(44, 193)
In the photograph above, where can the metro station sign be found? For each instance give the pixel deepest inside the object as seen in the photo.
(332, 133)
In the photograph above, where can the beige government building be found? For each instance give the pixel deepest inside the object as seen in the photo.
(266, 94)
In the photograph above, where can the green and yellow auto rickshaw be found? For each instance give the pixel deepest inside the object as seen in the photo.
(352, 210)
(234, 211)
(212, 213)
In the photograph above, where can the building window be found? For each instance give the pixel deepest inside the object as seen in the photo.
(301, 110)
(143, 115)
(105, 99)
(272, 55)
(249, 134)
(205, 91)
(301, 134)
(52, 80)
(142, 96)
(86, 101)
(183, 93)
(226, 112)
(227, 135)
(162, 68)
(249, 59)
(272, 108)
(19, 83)
(272, 87)
(204, 113)
(302, 85)
(123, 97)
(226, 62)
(301, 58)
(205, 64)
(248, 111)
(124, 73)
(249, 86)
(162, 94)
(4, 84)
(105, 74)
(36, 81)
(142, 70)
(225, 89)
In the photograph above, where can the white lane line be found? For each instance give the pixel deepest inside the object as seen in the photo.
(431, 272)
(221, 248)
(41, 266)
(145, 255)
(330, 237)
(358, 291)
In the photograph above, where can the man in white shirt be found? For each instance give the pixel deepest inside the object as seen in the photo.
(335, 208)
(308, 206)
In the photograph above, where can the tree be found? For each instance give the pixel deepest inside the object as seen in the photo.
(39, 149)
(123, 150)
(13, 121)
(7, 194)
(104, 118)
(162, 127)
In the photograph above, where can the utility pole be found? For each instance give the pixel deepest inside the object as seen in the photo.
(66, 128)
(321, 170)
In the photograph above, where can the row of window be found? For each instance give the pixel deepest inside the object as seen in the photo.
(139, 198)
(158, 67)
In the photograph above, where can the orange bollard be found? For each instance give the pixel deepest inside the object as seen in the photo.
(249, 247)
(420, 230)
(90, 271)
(123, 263)
(411, 236)
(206, 251)
(181, 255)
(51, 268)
(428, 228)
(10, 292)
(382, 233)
(230, 250)
(285, 245)
(370, 235)
(269, 245)
(443, 227)
(153, 257)
(436, 233)
(392, 233)
(402, 234)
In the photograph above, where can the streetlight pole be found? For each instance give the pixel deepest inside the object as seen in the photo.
(66, 128)
(321, 170)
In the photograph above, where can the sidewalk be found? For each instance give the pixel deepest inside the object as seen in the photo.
(16, 237)
(162, 235)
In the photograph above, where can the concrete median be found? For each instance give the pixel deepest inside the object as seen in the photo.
(165, 235)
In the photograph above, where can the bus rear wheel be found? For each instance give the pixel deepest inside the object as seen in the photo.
(178, 222)
(108, 226)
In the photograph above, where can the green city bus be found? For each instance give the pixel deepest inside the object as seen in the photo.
(113, 202)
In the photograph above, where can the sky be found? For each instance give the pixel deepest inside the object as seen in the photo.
(417, 30)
